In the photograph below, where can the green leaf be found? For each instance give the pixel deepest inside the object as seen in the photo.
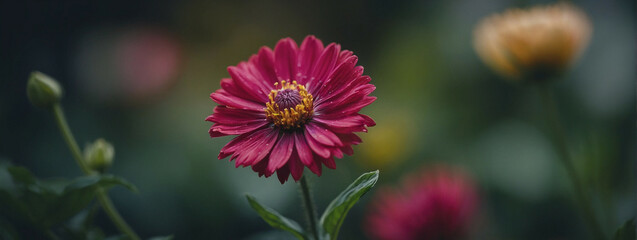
(81, 227)
(26, 199)
(21, 175)
(79, 193)
(626, 231)
(335, 213)
(12, 208)
(275, 219)
(104, 181)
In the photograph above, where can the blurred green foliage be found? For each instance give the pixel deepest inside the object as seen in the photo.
(45, 206)
(435, 98)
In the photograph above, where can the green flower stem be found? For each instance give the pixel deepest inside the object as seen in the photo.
(102, 197)
(309, 207)
(559, 140)
(60, 119)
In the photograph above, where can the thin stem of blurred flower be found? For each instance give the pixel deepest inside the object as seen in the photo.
(559, 139)
(309, 207)
(103, 198)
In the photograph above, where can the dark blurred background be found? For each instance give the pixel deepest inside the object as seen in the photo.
(139, 74)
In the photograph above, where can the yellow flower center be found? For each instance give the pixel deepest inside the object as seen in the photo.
(289, 107)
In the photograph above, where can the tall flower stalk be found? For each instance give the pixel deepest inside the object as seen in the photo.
(309, 207)
(559, 140)
(537, 46)
(45, 92)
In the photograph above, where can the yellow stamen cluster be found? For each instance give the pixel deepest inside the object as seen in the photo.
(290, 118)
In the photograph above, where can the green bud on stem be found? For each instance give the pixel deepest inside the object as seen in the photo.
(43, 91)
(99, 155)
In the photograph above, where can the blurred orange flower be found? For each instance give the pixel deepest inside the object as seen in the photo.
(534, 44)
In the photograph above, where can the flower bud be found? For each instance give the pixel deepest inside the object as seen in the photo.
(99, 155)
(43, 91)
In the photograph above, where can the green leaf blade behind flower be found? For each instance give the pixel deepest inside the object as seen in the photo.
(336, 212)
(45, 203)
(104, 181)
(21, 175)
(80, 192)
(275, 219)
(626, 231)
(25, 198)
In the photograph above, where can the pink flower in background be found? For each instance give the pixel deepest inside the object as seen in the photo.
(131, 66)
(148, 62)
(436, 204)
(292, 108)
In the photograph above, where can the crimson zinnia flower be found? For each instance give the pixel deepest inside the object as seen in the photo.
(292, 108)
(436, 204)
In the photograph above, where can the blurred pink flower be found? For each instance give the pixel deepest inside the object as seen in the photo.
(439, 203)
(148, 62)
(292, 108)
(131, 66)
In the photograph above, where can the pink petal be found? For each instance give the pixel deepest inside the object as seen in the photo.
(351, 92)
(322, 135)
(303, 150)
(349, 86)
(261, 168)
(317, 147)
(233, 89)
(263, 63)
(283, 174)
(251, 85)
(281, 152)
(224, 115)
(347, 150)
(285, 59)
(348, 109)
(221, 130)
(343, 74)
(311, 49)
(350, 139)
(355, 95)
(242, 140)
(336, 152)
(248, 148)
(296, 167)
(223, 98)
(329, 162)
(368, 120)
(232, 120)
(231, 147)
(364, 79)
(323, 67)
(265, 146)
(344, 55)
(259, 148)
(315, 167)
(352, 123)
